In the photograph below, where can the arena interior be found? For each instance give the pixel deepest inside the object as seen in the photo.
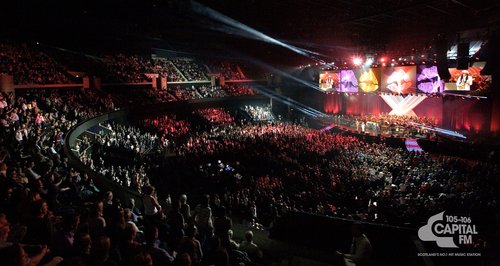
(215, 132)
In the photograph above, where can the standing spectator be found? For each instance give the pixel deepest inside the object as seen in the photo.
(185, 209)
(203, 219)
(152, 209)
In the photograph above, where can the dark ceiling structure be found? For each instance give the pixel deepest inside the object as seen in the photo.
(357, 22)
(333, 27)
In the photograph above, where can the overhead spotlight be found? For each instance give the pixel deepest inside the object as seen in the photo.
(368, 62)
(357, 61)
(382, 59)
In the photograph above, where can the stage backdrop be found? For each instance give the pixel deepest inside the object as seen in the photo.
(454, 113)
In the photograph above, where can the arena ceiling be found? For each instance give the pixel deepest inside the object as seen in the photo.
(332, 26)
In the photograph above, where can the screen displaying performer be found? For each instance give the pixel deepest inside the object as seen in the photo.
(399, 80)
(348, 81)
(470, 79)
(428, 80)
(464, 81)
(368, 79)
(328, 80)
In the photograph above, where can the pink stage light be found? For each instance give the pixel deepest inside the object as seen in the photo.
(357, 61)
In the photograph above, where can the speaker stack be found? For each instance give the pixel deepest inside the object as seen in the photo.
(463, 56)
(441, 60)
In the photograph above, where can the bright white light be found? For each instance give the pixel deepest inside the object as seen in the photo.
(357, 61)
(403, 105)
(369, 62)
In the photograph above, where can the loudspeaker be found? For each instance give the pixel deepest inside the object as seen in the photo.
(463, 56)
(463, 63)
(492, 55)
(441, 60)
(463, 50)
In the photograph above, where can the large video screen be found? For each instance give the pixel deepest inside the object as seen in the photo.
(470, 79)
(368, 79)
(428, 80)
(328, 80)
(400, 79)
(348, 81)
(404, 80)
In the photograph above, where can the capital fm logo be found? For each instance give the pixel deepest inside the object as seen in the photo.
(448, 231)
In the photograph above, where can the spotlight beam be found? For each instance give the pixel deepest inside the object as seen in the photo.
(217, 16)
(290, 102)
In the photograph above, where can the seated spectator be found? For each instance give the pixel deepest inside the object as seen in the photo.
(100, 252)
(16, 256)
(361, 248)
(233, 244)
(250, 247)
(129, 248)
(63, 240)
(142, 259)
(160, 256)
(190, 245)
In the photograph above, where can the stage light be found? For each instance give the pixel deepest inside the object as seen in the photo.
(368, 62)
(357, 61)
(382, 59)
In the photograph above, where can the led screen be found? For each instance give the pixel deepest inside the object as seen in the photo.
(328, 80)
(470, 79)
(368, 79)
(399, 79)
(428, 80)
(348, 81)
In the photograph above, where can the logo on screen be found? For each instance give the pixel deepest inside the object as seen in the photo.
(448, 230)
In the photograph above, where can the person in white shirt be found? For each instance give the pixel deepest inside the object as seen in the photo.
(464, 81)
